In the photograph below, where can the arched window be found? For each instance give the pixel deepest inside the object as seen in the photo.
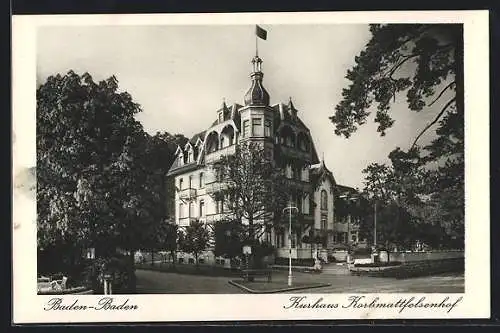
(212, 142)
(324, 200)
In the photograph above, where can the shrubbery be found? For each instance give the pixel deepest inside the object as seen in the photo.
(121, 270)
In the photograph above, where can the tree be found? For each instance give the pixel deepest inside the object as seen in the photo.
(195, 239)
(426, 63)
(253, 189)
(416, 58)
(171, 240)
(98, 172)
(228, 238)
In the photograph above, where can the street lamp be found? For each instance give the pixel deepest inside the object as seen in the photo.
(375, 224)
(290, 208)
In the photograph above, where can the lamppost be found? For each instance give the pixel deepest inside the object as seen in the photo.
(290, 208)
(375, 224)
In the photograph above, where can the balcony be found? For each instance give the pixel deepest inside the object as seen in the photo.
(295, 153)
(296, 183)
(187, 193)
(343, 227)
(186, 221)
(212, 218)
(216, 155)
(215, 187)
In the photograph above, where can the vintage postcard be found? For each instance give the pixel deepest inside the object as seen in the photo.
(258, 166)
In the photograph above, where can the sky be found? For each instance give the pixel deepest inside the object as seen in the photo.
(181, 74)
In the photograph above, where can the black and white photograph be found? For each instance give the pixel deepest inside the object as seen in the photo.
(251, 157)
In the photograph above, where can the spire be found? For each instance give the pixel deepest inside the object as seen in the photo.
(291, 107)
(224, 106)
(257, 94)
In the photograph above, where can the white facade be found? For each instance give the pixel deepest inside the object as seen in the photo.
(286, 140)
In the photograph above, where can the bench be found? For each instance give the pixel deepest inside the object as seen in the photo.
(247, 273)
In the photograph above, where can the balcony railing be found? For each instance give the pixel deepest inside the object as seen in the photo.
(215, 187)
(188, 193)
(216, 155)
(343, 227)
(305, 186)
(295, 153)
(186, 221)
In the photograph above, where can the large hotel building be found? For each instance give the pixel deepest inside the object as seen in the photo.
(287, 139)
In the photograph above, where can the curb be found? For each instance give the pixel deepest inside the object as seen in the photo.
(253, 291)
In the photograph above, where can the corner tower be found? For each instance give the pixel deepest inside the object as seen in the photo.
(257, 120)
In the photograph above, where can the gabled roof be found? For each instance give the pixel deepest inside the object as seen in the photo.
(343, 189)
(197, 136)
(319, 172)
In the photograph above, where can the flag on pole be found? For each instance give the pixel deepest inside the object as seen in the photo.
(261, 33)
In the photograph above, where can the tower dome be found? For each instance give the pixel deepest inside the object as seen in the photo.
(257, 94)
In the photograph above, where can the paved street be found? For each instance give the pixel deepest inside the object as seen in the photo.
(159, 282)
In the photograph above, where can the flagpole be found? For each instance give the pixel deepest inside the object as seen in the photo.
(256, 46)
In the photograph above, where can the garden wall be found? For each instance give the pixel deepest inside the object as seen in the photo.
(422, 256)
(340, 255)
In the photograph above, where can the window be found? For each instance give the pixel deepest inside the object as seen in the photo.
(221, 117)
(299, 203)
(181, 182)
(305, 175)
(267, 127)
(305, 204)
(257, 127)
(202, 183)
(222, 208)
(288, 171)
(181, 210)
(202, 208)
(323, 221)
(324, 200)
(217, 206)
(280, 239)
(191, 210)
(190, 182)
(246, 128)
(218, 175)
(190, 155)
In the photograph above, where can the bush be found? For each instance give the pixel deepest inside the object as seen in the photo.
(121, 270)
(331, 259)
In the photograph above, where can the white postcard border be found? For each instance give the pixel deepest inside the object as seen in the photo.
(29, 308)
